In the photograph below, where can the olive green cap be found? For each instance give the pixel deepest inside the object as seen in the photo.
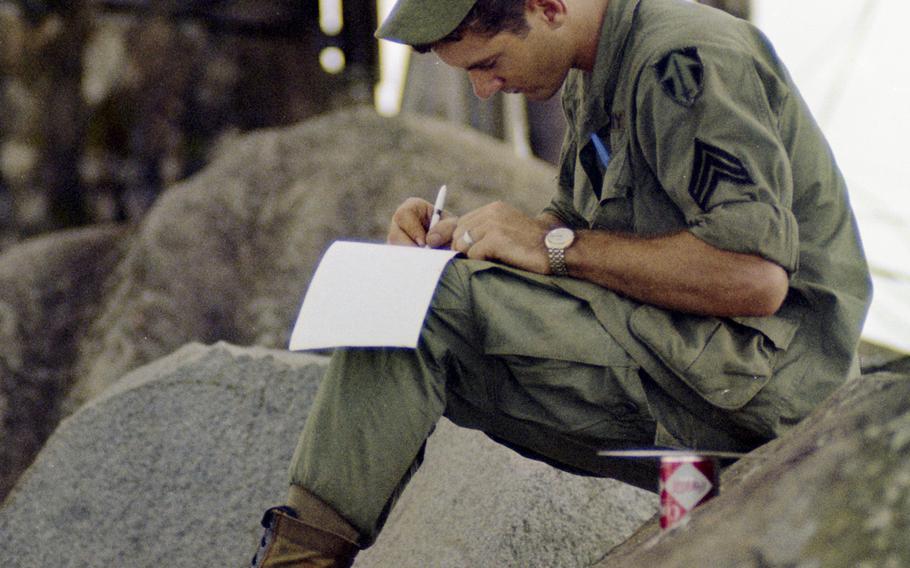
(422, 22)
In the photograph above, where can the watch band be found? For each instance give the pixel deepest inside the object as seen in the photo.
(557, 241)
(558, 261)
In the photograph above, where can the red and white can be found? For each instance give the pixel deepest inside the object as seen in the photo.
(686, 482)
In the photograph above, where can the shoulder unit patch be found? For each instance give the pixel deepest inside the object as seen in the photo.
(710, 166)
(681, 75)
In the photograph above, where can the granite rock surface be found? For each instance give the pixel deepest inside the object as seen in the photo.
(832, 493)
(174, 465)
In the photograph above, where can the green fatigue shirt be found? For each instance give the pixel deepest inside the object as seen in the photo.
(689, 121)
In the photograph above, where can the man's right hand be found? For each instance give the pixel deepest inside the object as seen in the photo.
(410, 221)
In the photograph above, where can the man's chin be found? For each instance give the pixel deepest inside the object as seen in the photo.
(540, 94)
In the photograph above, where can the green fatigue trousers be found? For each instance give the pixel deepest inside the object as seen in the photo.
(501, 351)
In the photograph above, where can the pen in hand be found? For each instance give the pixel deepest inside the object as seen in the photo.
(437, 209)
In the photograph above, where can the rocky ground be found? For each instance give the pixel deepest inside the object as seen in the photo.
(152, 444)
(174, 465)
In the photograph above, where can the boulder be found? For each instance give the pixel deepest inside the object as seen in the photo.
(834, 493)
(174, 465)
(225, 255)
(49, 295)
(228, 254)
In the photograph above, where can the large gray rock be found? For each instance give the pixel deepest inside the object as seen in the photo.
(50, 291)
(174, 465)
(832, 493)
(225, 255)
(476, 503)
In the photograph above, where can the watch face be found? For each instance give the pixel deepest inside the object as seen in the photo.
(559, 238)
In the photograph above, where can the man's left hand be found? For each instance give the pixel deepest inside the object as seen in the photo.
(500, 232)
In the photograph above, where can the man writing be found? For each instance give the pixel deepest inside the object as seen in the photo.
(697, 280)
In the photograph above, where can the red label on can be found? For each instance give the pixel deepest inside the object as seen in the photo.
(685, 483)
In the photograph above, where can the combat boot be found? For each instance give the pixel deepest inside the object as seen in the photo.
(310, 535)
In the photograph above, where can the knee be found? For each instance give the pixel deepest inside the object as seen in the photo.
(452, 291)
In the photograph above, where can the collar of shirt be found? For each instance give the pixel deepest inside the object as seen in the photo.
(593, 92)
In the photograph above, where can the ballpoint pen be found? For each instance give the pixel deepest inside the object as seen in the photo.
(437, 209)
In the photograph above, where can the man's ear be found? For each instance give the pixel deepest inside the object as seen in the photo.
(553, 11)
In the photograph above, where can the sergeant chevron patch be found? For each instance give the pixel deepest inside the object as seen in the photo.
(710, 166)
(681, 74)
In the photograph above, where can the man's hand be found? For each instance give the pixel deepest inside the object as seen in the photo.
(502, 233)
(499, 232)
(410, 221)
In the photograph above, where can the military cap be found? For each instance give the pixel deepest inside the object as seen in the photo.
(422, 22)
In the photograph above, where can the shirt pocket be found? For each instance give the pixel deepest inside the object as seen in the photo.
(726, 362)
(614, 212)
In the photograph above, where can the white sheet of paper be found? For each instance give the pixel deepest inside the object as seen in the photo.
(368, 295)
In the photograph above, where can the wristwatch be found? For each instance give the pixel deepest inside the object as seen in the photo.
(557, 241)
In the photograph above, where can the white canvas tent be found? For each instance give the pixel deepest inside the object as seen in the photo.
(848, 56)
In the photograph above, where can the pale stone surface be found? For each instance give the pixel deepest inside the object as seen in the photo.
(174, 465)
(50, 288)
(833, 493)
(476, 503)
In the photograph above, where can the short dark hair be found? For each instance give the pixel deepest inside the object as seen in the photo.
(487, 18)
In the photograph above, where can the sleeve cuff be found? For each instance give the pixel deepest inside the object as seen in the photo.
(754, 228)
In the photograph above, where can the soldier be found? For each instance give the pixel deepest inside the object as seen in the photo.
(697, 280)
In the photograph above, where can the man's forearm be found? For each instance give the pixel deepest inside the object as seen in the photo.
(679, 272)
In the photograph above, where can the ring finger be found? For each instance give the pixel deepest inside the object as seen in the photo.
(466, 240)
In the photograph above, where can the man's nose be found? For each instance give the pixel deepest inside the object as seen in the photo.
(485, 83)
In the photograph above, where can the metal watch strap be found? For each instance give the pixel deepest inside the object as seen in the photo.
(558, 261)
(557, 241)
